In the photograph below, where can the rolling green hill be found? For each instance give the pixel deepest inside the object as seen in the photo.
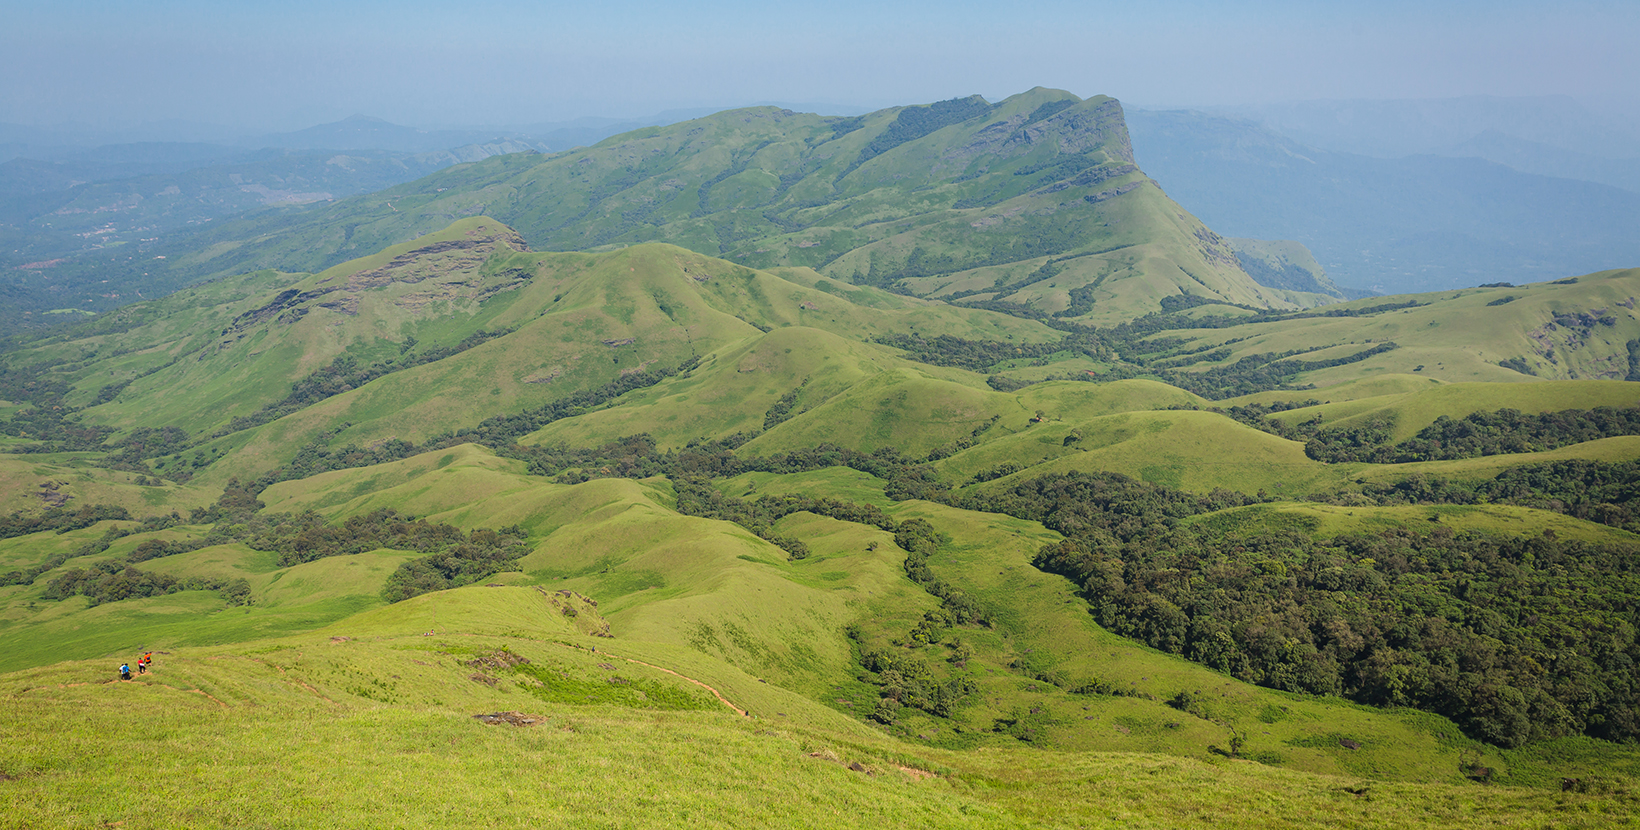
(693, 521)
(1577, 328)
(705, 601)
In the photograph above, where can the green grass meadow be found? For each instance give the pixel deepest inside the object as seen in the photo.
(677, 670)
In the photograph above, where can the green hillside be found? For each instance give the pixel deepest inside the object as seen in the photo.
(1579, 328)
(707, 529)
(1286, 265)
(687, 601)
(1573, 328)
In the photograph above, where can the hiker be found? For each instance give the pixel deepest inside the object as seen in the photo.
(125, 671)
(142, 668)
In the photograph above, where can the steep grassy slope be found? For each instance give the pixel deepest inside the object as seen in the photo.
(389, 713)
(1287, 265)
(199, 357)
(779, 354)
(733, 390)
(1195, 451)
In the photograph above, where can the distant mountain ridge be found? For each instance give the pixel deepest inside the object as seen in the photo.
(1394, 128)
(363, 132)
(1417, 223)
(1034, 202)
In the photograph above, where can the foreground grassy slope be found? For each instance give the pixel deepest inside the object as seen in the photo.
(386, 713)
(709, 601)
(658, 576)
(675, 588)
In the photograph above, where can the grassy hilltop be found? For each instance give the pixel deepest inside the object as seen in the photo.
(752, 539)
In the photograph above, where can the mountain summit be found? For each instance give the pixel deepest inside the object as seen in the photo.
(1034, 202)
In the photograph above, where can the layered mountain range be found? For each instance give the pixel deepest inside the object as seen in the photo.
(931, 461)
(1034, 201)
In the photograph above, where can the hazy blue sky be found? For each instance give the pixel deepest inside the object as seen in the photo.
(291, 63)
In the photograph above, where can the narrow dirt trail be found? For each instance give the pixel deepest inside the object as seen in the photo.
(715, 693)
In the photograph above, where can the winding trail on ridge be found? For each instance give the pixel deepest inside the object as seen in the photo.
(715, 693)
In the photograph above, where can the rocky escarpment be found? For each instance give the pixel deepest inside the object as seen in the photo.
(449, 269)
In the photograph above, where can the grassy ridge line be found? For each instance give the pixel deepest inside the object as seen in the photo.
(1325, 521)
(572, 302)
(1412, 411)
(1461, 336)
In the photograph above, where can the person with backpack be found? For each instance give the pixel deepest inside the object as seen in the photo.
(125, 671)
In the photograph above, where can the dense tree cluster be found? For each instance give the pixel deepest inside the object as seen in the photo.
(905, 679)
(52, 422)
(480, 555)
(1261, 372)
(1476, 434)
(913, 123)
(1107, 506)
(982, 355)
(697, 497)
(59, 519)
(304, 537)
(782, 408)
(113, 580)
(454, 557)
(111, 535)
(1597, 491)
(144, 443)
(1517, 639)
